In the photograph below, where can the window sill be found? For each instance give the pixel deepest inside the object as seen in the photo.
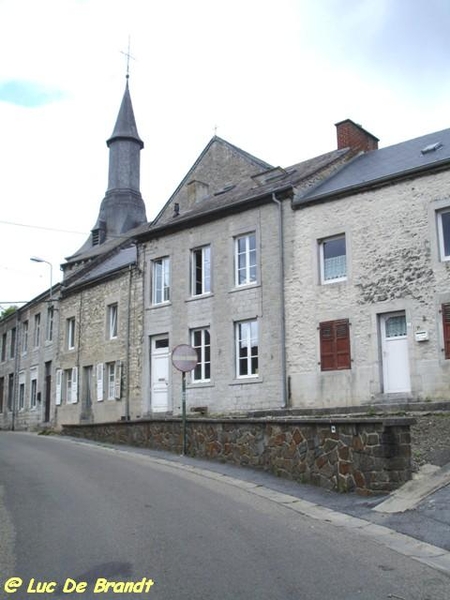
(248, 286)
(161, 305)
(246, 380)
(200, 384)
(331, 281)
(199, 297)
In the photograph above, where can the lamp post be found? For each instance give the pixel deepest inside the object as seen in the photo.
(41, 260)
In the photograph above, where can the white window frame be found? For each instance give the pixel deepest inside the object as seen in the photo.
(33, 387)
(22, 391)
(37, 330)
(161, 282)
(199, 372)
(50, 322)
(71, 385)
(250, 260)
(444, 257)
(244, 336)
(322, 242)
(70, 331)
(111, 381)
(201, 260)
(113, 314)
(25, 327)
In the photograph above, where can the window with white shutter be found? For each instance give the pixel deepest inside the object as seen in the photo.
(58, 387)
(99, 382)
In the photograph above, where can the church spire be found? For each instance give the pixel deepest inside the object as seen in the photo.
(122, 208)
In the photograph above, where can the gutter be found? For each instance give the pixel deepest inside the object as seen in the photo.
(282, 296)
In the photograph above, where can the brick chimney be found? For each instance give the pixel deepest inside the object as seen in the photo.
(351, 135)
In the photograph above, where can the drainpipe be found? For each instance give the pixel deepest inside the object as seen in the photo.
(127, 389)
(282, 301)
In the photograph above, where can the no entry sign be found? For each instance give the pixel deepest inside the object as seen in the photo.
(184, 358)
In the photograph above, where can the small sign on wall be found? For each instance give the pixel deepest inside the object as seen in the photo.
(421, 335)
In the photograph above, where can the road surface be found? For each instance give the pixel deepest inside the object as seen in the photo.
(72, 512)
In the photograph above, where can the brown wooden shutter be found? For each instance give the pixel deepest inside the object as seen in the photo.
(335, 345)
(446, 324)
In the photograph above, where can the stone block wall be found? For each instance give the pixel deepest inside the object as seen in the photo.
(368, 456)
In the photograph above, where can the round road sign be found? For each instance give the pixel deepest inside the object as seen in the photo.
(184, 358)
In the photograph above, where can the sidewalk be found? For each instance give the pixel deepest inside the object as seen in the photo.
(414, 520)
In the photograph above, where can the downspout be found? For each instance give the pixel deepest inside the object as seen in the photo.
(127, 389)
(16, 370)
(282, 300)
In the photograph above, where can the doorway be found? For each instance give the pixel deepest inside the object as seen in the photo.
(159, 370)
(394, 351)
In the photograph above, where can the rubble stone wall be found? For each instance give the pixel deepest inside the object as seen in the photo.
(368, 456)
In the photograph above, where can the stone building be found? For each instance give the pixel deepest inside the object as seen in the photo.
(213, 264)
(27, 357)
(368, 283)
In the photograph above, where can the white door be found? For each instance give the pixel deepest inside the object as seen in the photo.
(160, 373)
(394, 346)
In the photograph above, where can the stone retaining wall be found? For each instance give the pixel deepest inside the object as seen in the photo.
(366, 455)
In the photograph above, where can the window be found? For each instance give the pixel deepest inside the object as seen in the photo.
(333, 259)
(114, 380)
(33, 386)
(4, 347)
(70, 329)
(71, 388)
(161, 280)
(335, 345)
(446, 324)
(37, 330)
(2, 392)
(25, 337)
(444, 233)
(201, 271)
(99, 377)
(112, 321)
(10, 391)
(200, 340)
(247, 349)
(21, 390)
(50, 317)
(12, 347)
(245, 259)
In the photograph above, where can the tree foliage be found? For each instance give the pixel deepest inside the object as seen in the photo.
(8, 311)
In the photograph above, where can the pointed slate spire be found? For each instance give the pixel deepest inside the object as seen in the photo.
(122, 208)
(125, 127)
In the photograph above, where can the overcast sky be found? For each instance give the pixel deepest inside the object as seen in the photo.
(273, 77)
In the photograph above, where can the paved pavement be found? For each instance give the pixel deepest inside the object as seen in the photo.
(414, 520)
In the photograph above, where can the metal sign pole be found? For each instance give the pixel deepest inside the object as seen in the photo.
(183, 410)
(184, 358)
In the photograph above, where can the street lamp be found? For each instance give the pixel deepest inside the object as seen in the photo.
(41, 260)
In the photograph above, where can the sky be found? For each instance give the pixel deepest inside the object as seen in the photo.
(270, 77)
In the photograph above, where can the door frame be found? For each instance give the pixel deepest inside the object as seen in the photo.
(163, 352)
(382, 318)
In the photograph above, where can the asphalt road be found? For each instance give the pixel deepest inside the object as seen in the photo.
(82, 512)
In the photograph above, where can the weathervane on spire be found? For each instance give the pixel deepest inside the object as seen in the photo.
(128, 55)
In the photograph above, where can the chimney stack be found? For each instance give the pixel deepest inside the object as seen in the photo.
(351, 135)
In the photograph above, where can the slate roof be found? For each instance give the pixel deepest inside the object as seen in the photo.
(247, 191)
(117, 261)
(383, 166)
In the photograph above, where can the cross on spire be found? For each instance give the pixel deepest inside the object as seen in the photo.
(128, 55)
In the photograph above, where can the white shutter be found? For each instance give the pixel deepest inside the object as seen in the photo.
(58, 386)
(117, 380)
(74, 385)
(100, 382)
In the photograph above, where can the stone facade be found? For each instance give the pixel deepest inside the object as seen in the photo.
(393, 267)
(219, 311)
(28, 349)
(96, 370)
(369, 456)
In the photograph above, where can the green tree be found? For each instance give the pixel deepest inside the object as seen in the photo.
(8, 311)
